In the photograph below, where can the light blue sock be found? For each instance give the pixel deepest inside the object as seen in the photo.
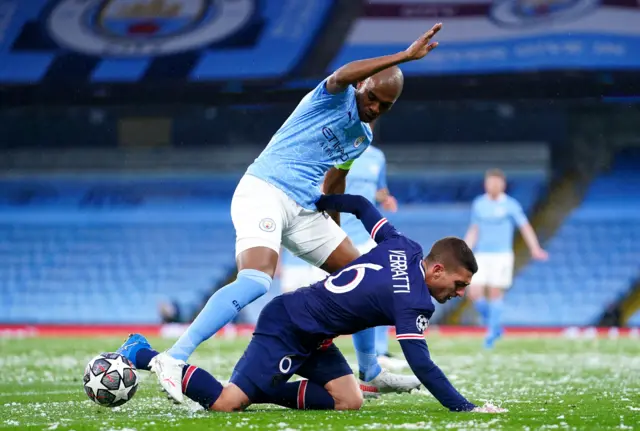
(220, 309)
(482, 307)
(495, 318)
(365, 345)
(382, 340)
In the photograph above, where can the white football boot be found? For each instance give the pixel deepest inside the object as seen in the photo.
(169, 373)
(386, 382)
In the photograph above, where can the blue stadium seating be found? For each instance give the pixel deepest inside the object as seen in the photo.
(595, 257)
(64, 264)
(106, 272)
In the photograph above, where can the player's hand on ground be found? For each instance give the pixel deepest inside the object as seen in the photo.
(390, 204)
(489, 408)
(539, 254)
(423, 46)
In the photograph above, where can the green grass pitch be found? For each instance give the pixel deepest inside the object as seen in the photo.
(549, 383)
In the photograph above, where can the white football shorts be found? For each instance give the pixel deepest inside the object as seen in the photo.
(494, 270)
(264, 216)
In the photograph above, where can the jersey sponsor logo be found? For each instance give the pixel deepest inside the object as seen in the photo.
(359, 269)
(130, 28)
(399, 274)
(527, 13)
(267, 225)
(359, 141)
(332, 147)
(422, 323)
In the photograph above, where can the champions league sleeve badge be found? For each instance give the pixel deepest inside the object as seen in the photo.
(130, 28)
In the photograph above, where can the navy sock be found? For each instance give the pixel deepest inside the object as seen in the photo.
(302, 395)
(143, 357)
(200, 386)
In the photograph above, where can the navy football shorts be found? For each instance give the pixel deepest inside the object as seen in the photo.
(278, 350)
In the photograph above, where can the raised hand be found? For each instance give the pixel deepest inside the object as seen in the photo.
(423, 46)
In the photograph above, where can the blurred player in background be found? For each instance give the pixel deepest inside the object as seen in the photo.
(368, 178)
(274, 202)
(494, 216)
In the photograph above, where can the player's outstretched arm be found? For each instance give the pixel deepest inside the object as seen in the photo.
(356, 71)
(373, 221)
(417, 355)
(531, 239)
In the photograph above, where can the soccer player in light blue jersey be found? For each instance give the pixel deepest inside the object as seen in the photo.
(368, 178)
(274, 203)
(494, 217)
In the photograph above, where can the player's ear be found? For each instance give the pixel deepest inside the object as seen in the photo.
(437, 269)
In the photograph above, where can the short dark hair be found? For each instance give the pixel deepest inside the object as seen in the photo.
(496, 173)
(453, 252)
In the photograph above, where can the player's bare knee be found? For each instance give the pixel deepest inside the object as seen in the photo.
(261, 259)
(346, 393)
(475, 291)
(496, 293)
(232, 399)
(353, 401)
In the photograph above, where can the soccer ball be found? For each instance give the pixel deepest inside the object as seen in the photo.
(110, 379)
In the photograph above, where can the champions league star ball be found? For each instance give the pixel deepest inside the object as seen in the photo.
(110, 379)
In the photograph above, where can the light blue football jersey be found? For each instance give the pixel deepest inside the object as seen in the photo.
(323, 131)
(496, 221)
(367, 175)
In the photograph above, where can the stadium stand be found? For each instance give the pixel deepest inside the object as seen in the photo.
(113, 264)
(107, 272)
(594, 256)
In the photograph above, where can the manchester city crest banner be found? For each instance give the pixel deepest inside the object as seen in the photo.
(483, 36)
(133, 40)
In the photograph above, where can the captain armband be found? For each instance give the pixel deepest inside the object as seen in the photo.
(345, 166)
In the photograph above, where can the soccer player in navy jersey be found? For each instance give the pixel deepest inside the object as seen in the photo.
(368, 178)
(393, 284)
(273, 204)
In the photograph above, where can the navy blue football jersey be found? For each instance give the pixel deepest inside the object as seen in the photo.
(383, 287)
